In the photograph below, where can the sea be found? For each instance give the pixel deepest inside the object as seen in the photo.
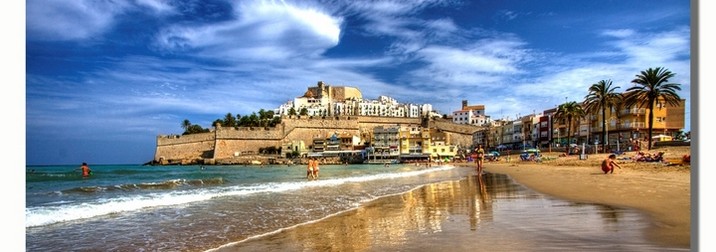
(203, 208)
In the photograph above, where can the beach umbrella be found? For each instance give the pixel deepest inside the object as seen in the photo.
(502, 146)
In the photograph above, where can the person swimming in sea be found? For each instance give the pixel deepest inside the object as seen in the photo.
(86, 171)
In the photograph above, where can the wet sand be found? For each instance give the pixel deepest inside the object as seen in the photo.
(664, 195)
(662, 191)
(397, 223)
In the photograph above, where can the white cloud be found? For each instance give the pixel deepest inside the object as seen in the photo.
(261, 31)
(393, 7)
(159, 6)
(483, 64)
(397, 18)
(70, 20)
(621, 33)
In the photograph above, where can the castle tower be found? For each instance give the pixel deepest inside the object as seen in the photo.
(321, 89)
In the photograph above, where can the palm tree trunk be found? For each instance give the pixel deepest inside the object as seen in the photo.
(651, 121)
(604, 128)
(569, 134)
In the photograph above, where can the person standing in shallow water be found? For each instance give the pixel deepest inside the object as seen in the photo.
(609, 163)
(86, 171)
(309, 168)
(315, 168)
(480, 157)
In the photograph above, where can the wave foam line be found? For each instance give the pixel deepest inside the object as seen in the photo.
(254, 237)
(46, 215)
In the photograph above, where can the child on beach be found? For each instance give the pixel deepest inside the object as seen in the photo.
(609, 163)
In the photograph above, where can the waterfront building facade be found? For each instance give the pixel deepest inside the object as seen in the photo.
(385, 143)
(625, 127)
(439, 147)
(629, 126)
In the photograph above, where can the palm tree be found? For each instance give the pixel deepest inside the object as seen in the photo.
(652, 86)
(601, 97)
(262, 117)
(254, 120)
(185, 125)
(570, 111)
(229, 120)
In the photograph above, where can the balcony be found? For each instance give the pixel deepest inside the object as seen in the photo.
(633, 125)
(633, 111)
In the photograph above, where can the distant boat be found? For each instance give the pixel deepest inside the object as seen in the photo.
(255, 162)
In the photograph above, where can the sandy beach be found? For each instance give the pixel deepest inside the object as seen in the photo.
(664, 192)
(405, 222)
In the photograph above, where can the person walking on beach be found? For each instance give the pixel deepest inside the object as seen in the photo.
(309, 169)
(480, 157)
(86, 171)
(609, 163)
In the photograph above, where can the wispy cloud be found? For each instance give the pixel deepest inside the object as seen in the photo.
(158, 6)
(262, 31)
(71, 20)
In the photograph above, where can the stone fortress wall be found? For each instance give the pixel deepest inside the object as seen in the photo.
(178, 149)
(229, 143)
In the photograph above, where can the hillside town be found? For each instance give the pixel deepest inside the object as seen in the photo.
(338, 125)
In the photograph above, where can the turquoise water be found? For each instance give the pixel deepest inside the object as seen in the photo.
(187, 208)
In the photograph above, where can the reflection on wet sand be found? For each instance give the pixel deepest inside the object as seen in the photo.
(488, 212)
(479, 203)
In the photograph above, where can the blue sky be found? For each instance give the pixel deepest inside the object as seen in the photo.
(103, 78)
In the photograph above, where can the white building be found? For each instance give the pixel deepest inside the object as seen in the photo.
(473, 115)
(324, 100)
